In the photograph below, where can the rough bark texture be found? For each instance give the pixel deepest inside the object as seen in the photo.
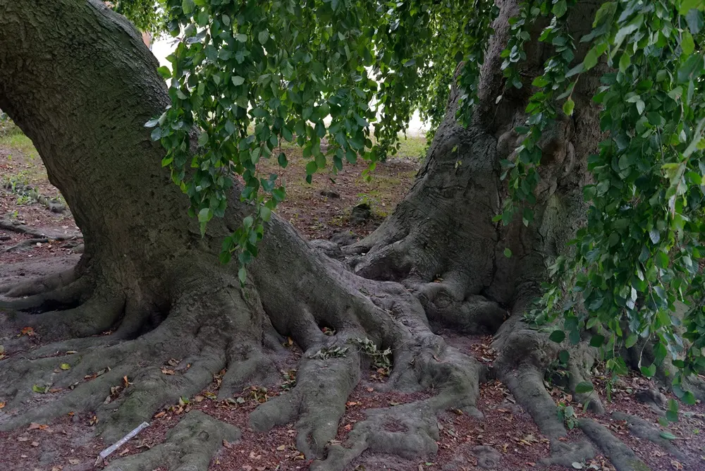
(80, 83)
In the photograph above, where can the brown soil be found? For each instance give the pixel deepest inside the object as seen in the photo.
(318, 211)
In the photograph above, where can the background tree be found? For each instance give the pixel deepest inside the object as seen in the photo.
(514, 173)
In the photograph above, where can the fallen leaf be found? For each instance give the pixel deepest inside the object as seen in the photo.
(227, 444)
(22, 439)
(65, 366)
(34, 426)
(28, 331)
(167, 371)
(281, 447)
(2, 404)
(255, 457)
(124, 452)
(35, 443)
(159, 415)
(74, 461)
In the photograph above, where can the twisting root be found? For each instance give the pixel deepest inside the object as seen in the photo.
(326, 376)
(41, 285)
(57, 294)
(621, 456)
(523, 359)
(188, 446)
(93, 317)
(122, 381)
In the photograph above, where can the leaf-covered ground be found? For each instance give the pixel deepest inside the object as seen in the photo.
(506, 438)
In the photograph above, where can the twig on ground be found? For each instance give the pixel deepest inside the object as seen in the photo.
(108, 451)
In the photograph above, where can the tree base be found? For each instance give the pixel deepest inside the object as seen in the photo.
(128, 374)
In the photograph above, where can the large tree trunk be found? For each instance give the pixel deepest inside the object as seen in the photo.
(80, 83)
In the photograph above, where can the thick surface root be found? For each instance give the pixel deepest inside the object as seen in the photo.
(409, 431)
(621, 456)
(643, 429)
(40, 285)
(325, 380)
(188, 447)
(48, 293)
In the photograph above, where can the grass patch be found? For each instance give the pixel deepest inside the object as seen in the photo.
(20, 143)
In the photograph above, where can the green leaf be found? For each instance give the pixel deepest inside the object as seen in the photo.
(204, 215)
(559, 9)
(40, 389)
(311, 168)
(591, 59)
(568, 106)
(648, 371)
(241, 37)
(242, 275)
(265, 213)
(283, 162)
(597, 341)
(507, 253)
(661, 260)
(65, 366)
(667, 435)
(187, 6)
(263, 36)
(687, 5)
(564, 356)
(237, 80)
(584, 387)
(164, 72)
(631, 341)
(557, 336)
(687, 43)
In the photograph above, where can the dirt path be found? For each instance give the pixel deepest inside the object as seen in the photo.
(506, 438)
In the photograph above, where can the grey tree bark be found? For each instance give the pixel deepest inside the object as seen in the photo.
(80, 83)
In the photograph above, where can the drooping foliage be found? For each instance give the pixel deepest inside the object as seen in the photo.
(249, 75)
(635, 263)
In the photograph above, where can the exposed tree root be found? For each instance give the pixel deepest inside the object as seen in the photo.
(219, 325)
(621, 456)
(188, 447)
(317, 403)
(40, 285)
(27, 243)
(50, 294)
(98, 314)
(22, 229)
(643, 429)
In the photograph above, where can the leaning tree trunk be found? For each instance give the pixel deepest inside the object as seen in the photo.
(80, 83)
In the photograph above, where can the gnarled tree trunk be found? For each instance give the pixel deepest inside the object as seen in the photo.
(81, 84)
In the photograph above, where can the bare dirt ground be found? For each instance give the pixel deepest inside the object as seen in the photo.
(506, 438)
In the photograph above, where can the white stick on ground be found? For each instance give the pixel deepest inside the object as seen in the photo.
(108, 451)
